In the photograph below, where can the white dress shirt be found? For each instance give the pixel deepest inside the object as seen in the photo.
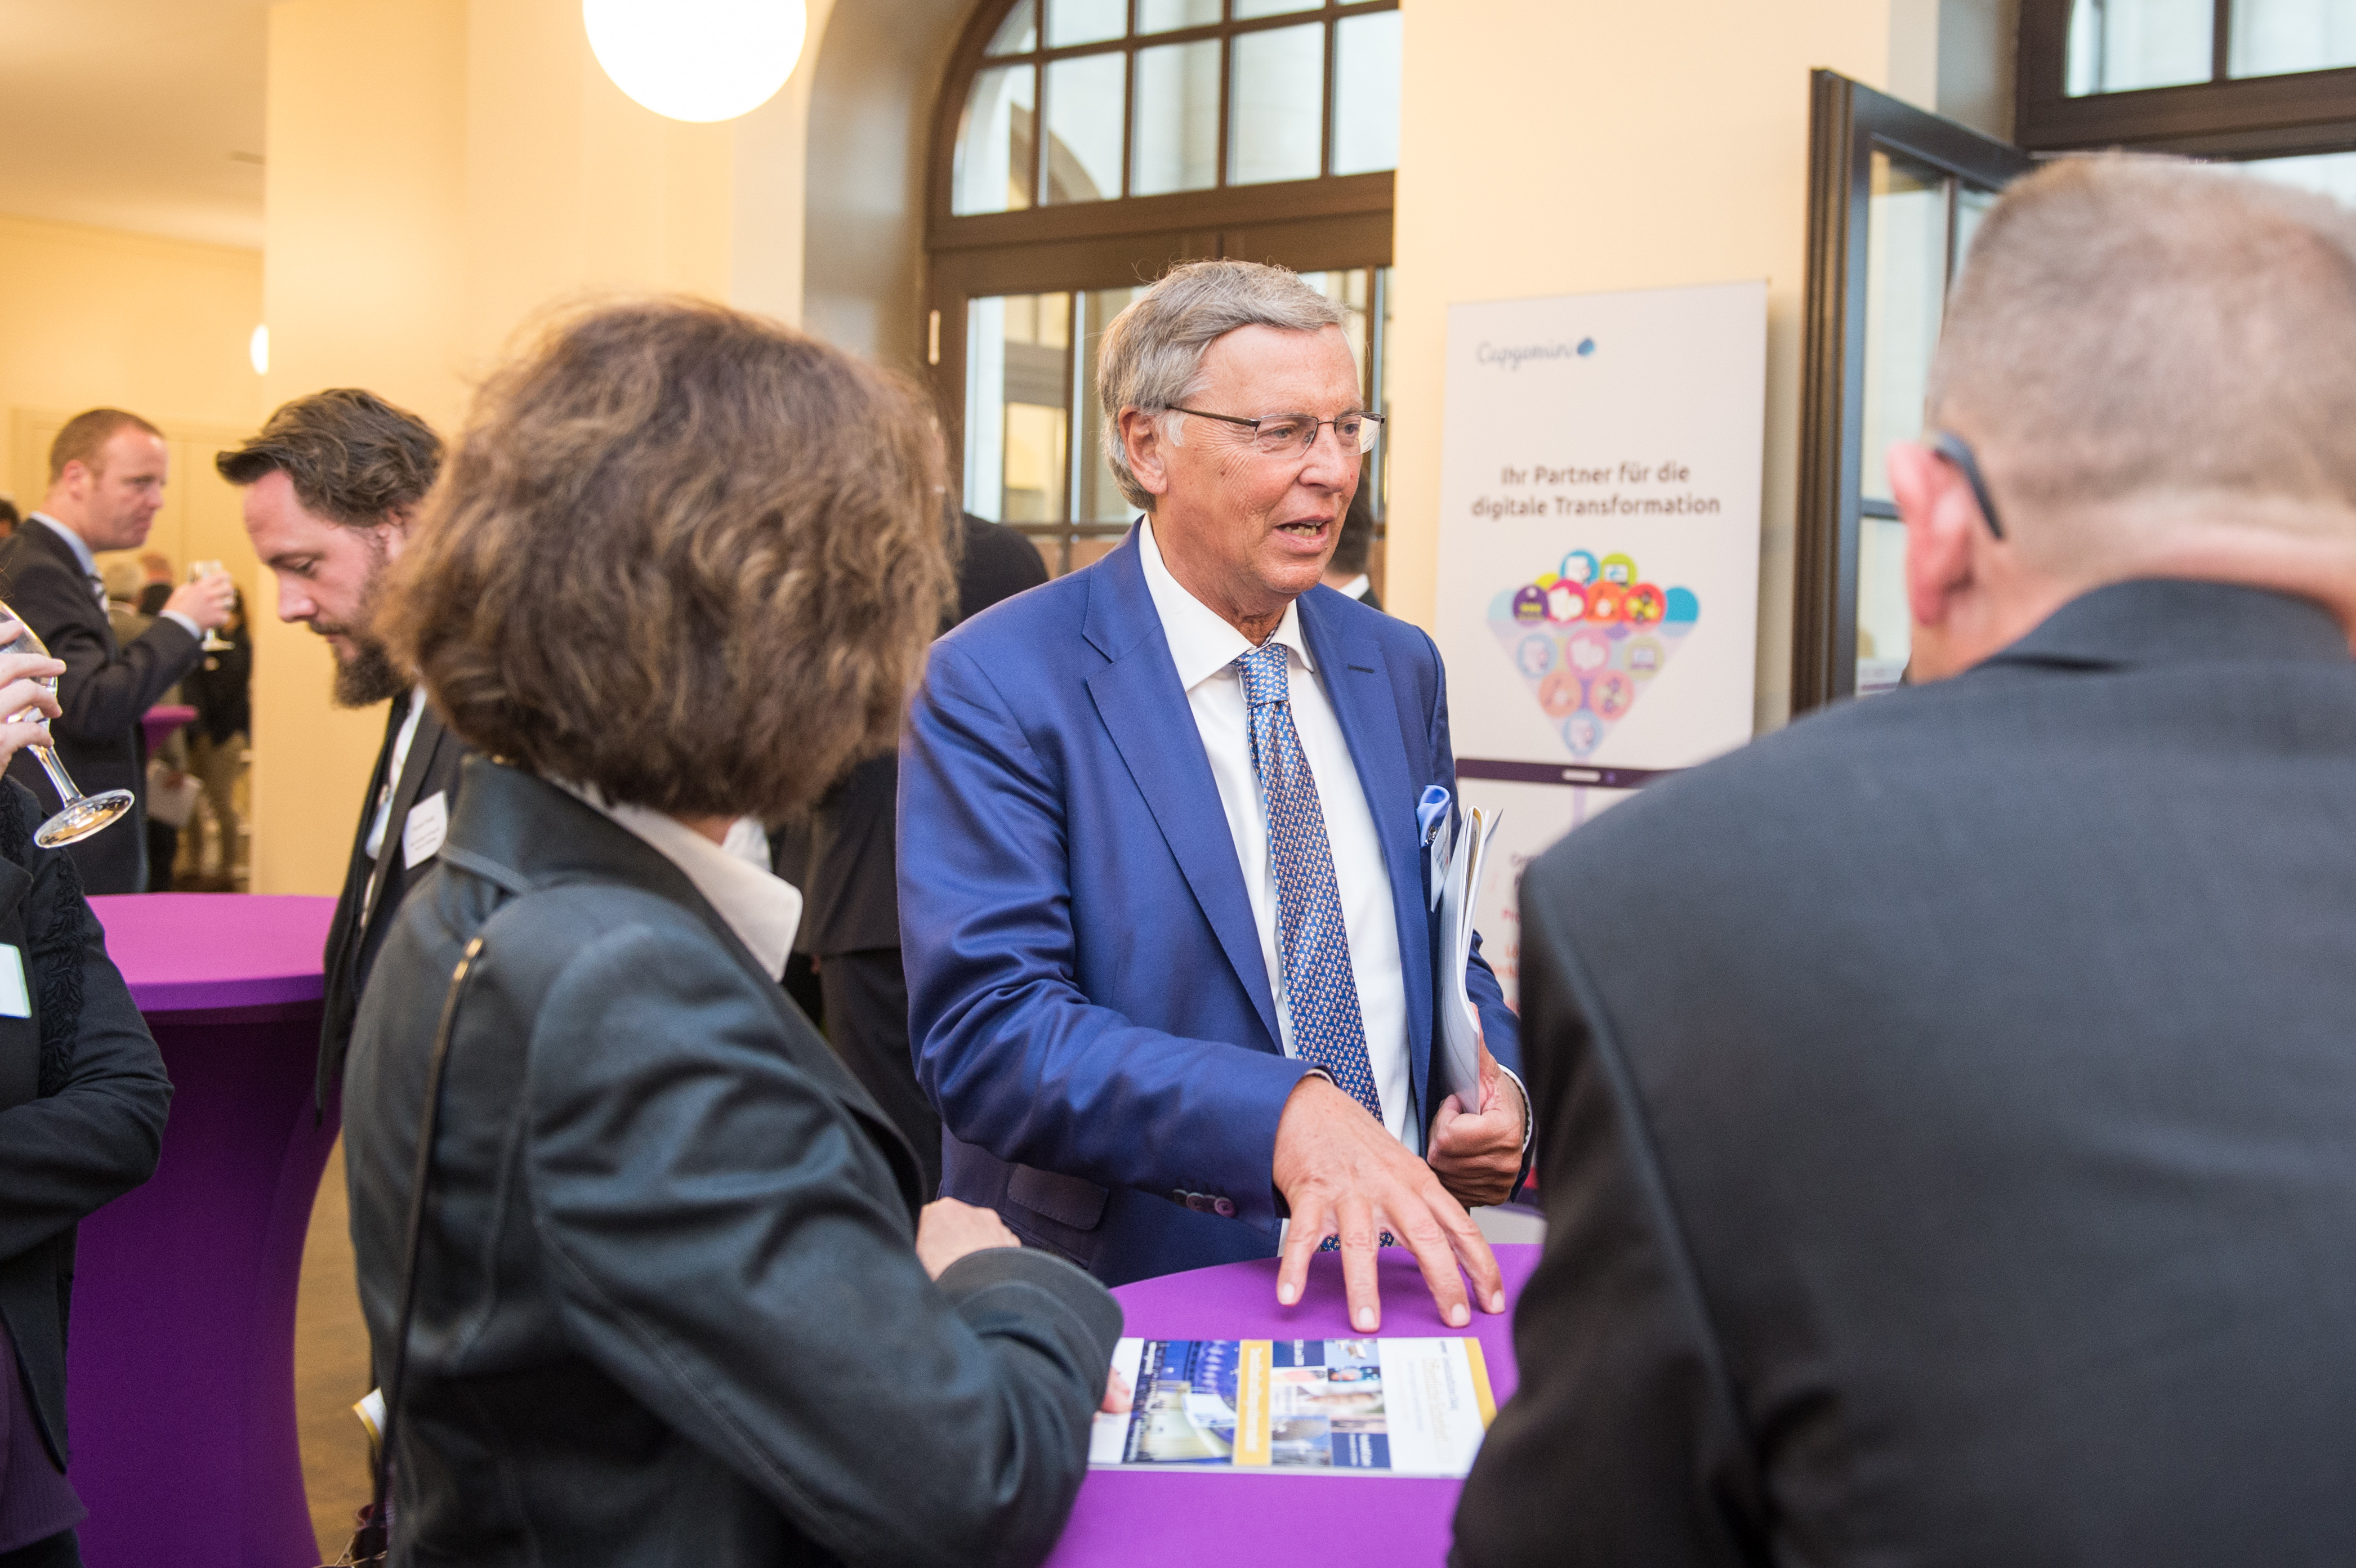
(1204, 649)
(393, 773)
(762, 908)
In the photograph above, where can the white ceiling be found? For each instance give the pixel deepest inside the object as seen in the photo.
(125, 113)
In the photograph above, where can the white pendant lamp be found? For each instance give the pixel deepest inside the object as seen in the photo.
(697, 60)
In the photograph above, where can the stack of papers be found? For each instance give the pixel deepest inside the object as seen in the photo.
(1464, 866)
(1383, 1407)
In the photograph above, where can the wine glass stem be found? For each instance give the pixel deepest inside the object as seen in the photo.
(63, 782)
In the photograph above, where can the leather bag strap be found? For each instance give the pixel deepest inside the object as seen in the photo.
(435, 1070)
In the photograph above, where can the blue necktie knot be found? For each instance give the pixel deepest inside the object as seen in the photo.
(1266, 675)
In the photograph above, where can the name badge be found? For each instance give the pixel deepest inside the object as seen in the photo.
(428, 824)
(16, 1001)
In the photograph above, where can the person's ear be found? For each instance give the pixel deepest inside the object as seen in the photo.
(393, 531)
(1149, 454)
(1941, 520)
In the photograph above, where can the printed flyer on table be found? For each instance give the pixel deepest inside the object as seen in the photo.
(1364, 1407)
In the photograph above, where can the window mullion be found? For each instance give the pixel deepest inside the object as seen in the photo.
(2221, 42)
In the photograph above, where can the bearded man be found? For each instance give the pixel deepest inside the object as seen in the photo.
(331, 486)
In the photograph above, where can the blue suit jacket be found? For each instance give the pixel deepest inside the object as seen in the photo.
(1086, 995)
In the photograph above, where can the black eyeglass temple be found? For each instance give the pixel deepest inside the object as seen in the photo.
(1957, 450)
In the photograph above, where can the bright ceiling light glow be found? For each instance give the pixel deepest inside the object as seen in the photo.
(257, 348)
(697, 60)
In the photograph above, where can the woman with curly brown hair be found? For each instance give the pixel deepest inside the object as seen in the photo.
(674, 1298)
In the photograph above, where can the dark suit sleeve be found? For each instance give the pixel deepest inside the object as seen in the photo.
(1014, 1054)
(727, 1245)
(68, 1154)
(1623, 1443)
(102, 696)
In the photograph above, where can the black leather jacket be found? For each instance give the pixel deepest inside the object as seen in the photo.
(669, 1306)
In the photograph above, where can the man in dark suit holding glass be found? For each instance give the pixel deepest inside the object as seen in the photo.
(107, 470)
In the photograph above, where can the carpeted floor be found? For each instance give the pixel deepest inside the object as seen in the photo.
(331, 1369)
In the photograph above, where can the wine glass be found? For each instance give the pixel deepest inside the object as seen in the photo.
(82, 814)
(198, 570)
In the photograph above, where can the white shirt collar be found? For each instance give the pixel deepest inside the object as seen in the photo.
(1202, 644)
(762, 908)
(74, 542)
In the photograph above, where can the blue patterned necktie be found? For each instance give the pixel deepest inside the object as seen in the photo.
(1313, 948)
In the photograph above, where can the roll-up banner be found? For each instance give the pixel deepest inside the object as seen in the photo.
(1599, 554)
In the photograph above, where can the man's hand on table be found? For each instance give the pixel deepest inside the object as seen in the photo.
(1342, 1173)
(1477, 1155)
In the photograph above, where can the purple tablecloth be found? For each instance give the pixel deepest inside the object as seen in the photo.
(1137, 1518)
(181, 1370)
(160, 720)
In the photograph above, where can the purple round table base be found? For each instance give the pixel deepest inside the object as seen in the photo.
(180, 1376)
(1139, 1518)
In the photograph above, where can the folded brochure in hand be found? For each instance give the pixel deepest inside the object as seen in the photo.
(1383, 1407)
(1462, 869)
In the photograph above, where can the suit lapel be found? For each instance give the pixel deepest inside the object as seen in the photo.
(360, 871)
(1145, 711)
(1360, 686)
(414, 770)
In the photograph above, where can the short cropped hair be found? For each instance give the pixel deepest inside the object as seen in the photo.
(2133, 325)
(85, 436)
(352, 457)
(683, 554)
(1151, 356)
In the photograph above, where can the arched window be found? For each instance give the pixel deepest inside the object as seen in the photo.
(1082, 147)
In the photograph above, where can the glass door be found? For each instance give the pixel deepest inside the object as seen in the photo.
(1895, 196)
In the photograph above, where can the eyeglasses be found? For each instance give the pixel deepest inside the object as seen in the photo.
(1288, 435)
(1958, 451)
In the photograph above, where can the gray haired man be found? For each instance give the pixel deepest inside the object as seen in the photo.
(1162, 886)
(1950, 1113)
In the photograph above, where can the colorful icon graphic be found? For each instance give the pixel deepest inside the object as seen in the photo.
(1590, 639)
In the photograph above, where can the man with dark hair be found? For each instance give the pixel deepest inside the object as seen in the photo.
(107, 470)
(1948, 1106)
(331, 486)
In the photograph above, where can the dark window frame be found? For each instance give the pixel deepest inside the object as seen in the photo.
(1331, 223)
(1848, 123)
(2254, 116)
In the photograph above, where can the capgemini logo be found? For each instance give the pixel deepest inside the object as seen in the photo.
(1514, 356)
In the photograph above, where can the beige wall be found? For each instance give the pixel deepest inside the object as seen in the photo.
(159, 326)
(1549, 147)
(442, 172)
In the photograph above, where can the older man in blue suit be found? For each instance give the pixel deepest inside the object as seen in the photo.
(1162, 891)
